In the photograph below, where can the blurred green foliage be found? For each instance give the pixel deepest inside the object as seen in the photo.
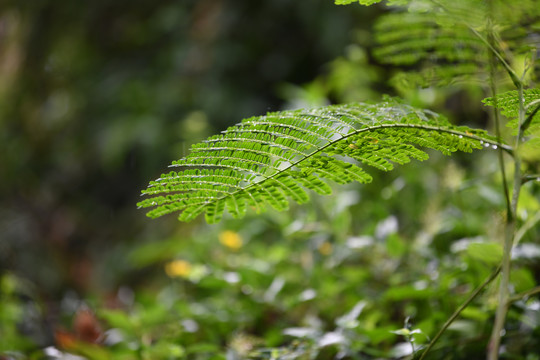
(95, 98)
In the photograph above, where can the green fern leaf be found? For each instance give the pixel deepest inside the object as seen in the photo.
(269, 160)
(508, 104)
(446, 41)
(442, 51)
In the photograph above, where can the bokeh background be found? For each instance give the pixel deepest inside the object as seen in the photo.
(98, 97)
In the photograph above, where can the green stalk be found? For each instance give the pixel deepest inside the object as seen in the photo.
(510, 228)
(502, 308)
(493, 86)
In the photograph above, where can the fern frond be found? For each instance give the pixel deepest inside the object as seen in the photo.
(268, 160)
(441, 47)
(519, 24)
(508, 104)
(445, 41)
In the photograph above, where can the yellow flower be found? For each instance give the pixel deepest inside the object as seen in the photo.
(231, 239)
(325, 248)
(178, 268)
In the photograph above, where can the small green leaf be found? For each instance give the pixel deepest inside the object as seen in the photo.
(522, 279)
(404, 332)
(407, 292)
(361, 2)
(395, 245)
(490, 253)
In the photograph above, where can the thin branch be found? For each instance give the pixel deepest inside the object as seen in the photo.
(458, 311)
(529, 118)
(527, 178)
(524, 294)
(517, 82)
(526, 227)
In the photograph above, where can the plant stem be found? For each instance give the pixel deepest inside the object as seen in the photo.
(456, 313)
(493, 86)
(502, 308)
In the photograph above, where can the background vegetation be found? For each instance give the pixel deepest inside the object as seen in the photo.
(96, 99)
